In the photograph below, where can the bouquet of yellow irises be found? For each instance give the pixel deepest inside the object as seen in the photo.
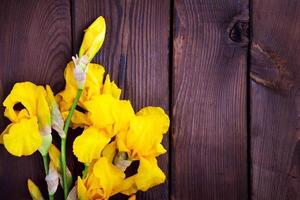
(113, 134)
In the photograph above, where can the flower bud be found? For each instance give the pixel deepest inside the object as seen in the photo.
(52, 180)
(57, 121)
(46, 143)
(93, 39)
(34, 191)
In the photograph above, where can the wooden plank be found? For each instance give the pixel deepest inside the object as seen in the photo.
(275, 100)
(209, 100)
(35, 40)
(135, 53)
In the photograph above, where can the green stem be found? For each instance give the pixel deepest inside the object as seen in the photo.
(64, 141)
(85, 171)
(46, 168)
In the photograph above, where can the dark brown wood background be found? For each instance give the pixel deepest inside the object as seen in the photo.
(227, 72)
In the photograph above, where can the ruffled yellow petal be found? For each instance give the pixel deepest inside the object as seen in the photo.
(149, 174)
(108, 113)
(34, 191)
(102, 111)
(158, 117)
(93, 38)
(110, 176)
(81, 190)
(145, 133)
(89, 144)
(23, 137)
(24, 93)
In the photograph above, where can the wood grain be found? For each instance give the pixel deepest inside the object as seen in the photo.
(35, 41)
(209, 144)
(275, 100)
(135, 53)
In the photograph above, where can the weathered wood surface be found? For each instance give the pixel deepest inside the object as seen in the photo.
(275, 100)
(209, 143)
(35, 41)
(234, 103)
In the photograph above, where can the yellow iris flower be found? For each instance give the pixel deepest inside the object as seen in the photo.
(30, 129)
(105, 179)
(102, 181)
(94, 86)
(145, 133)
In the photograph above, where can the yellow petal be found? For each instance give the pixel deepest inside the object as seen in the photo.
(93, 38)
(67, 96)
(34, 191)
(158, 116)
(89, 144)
(102, 111)
(81, 190)
(108, 113)
(149, 174)
(23, 137)
(128, 186)
(160, 149)
(94, 81)
(24, 93)
(146, 132)
(133, 197)
(6, 130)
(125, 114)
(109, 151)
(111, 88)
(80, 119)
(110, 176)
(122, 142)
(142, 137)
(54, 155)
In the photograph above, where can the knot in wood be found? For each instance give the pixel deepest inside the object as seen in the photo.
(239, 32)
